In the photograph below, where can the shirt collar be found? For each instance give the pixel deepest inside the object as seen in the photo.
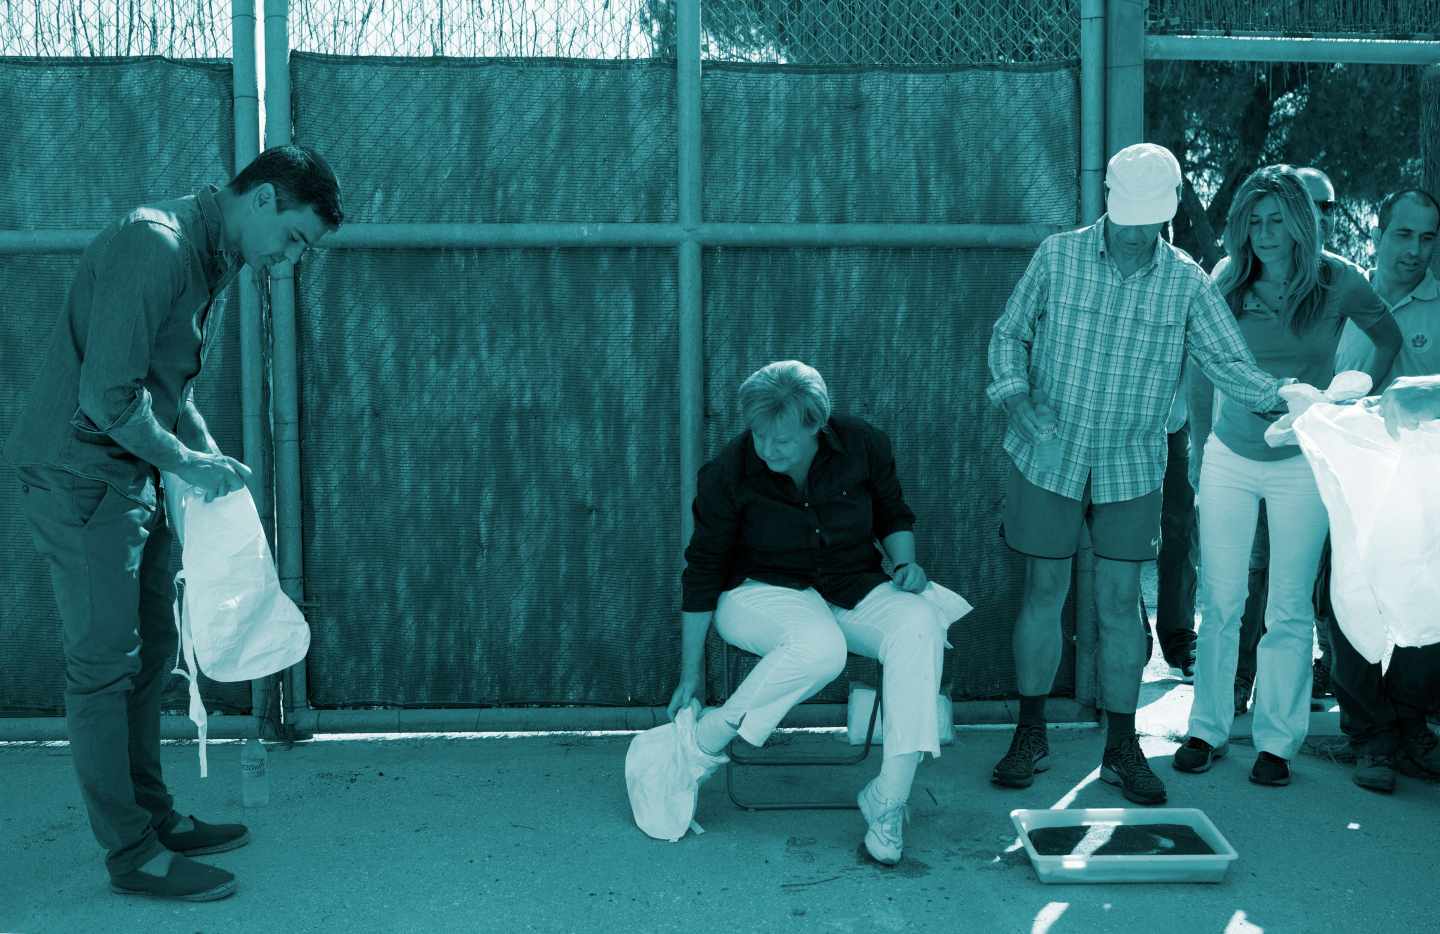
(828, 438)
(222, 264)
(1427, 291)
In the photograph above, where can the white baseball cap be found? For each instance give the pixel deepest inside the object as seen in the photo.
(1141, 182)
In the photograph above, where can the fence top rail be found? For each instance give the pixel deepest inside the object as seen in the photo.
(1273, 48)
(479, 236)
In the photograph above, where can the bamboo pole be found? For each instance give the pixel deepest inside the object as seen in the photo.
(691, 327)
(1430, 140)
(1286, 49)
(1092, 110)
(246, 96)
(1124, 74)
(481, 236)
(284, 354)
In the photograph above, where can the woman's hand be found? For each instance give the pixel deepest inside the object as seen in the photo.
(911, 578)
(685, 692)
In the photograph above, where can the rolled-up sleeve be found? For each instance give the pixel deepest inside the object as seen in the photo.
(138, 278)
(1213, 340)
(711, 552)
(891, 514)
(1014, 334)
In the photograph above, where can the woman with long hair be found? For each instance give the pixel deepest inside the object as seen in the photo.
(1290, 298)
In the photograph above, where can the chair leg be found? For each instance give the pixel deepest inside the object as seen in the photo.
(792, 761)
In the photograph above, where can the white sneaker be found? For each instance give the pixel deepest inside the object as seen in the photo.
(886, 836)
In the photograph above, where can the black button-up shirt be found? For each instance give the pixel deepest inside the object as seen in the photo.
(132, 336)
(752, 522)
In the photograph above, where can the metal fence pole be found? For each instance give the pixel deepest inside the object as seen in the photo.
(285, 373)
(1092, 109)
(691, 329)
(247, 144)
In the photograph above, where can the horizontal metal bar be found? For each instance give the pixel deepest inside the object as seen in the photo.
(512, 719)
(1289, 49)
(484, 236)
(45, 241)
(996, 236)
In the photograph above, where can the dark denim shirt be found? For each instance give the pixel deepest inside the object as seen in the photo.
(132, 336)
(752, 522)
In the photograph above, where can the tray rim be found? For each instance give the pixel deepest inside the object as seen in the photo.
(1017, 818)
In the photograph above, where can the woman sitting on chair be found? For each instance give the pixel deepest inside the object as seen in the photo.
(783, 559)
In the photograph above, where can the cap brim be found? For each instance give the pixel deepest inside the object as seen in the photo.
(1135, 212)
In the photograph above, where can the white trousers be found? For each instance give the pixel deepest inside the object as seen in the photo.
(1231, 488)
(802, 641)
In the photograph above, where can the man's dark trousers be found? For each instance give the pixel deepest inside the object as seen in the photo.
(1381, 709)
(1175, 567)
(109, 563)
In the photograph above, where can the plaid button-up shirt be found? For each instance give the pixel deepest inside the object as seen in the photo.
(1105, 351)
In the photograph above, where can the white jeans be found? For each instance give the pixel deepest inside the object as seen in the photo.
(802, 641)
(1231, 488)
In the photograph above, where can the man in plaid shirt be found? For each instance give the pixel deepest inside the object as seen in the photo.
(1086, 360)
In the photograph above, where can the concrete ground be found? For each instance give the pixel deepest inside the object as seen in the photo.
(534, 834)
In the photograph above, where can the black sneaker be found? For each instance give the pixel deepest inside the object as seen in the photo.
(1197, 755)
(1125, 765)
(1029, 753)
(1270, 770)
(1375, 772)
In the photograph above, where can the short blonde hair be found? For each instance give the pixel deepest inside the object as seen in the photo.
(785, 386)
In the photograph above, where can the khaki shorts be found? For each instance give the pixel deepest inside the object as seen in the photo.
(1041, 524)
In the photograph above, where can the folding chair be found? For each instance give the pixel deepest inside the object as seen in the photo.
(729, 672)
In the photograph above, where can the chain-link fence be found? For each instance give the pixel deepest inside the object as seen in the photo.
(121, 28)
(903, 33)
(490, 467)
(1374, 19)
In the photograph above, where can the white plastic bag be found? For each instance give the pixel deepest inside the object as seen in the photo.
(235, 622)
(1383, 497)
(1345, 387)
(663, 776)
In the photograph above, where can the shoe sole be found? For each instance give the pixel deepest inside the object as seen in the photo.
(223, 890)
(1042, 764)
(1270, 782)
(225, 847)
(1383, 788)
(1110, 777)
(1218, 753)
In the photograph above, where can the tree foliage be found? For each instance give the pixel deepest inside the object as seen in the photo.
(1358, 124)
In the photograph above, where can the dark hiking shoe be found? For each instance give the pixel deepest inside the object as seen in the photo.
(1125, 765)
(1419, 753)
(1197, 755)
(1029, 753)
(1375, 772)
(204, 838)
(1270, 770)
(187, 881)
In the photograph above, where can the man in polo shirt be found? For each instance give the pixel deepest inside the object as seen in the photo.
(1384, 712)
(113, 405)
(1086, 360)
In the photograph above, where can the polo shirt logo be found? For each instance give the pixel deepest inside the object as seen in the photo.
(1419, 341)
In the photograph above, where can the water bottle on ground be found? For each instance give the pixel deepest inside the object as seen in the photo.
(254, 776)
(1048, 447)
